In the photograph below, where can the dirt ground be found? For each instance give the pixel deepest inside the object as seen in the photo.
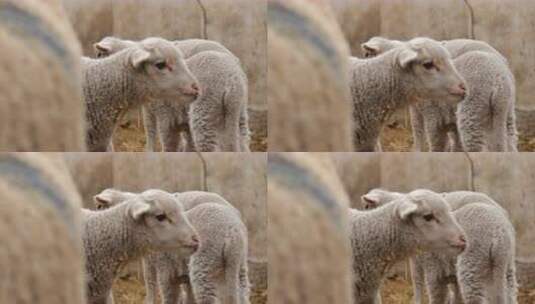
(398, 138)
(129, 290)
(130, 137)
(399, 291)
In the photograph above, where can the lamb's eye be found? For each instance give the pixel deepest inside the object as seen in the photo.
(161, 217)
(429, 217)
(161, 65)
(429, 65)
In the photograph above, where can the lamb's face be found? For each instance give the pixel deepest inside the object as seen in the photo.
(431, 222)
(163, 223)
(430, 73)
(162, 71)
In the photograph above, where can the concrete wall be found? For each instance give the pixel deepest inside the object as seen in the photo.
(507, 178)
(240, 25)
(506, 25)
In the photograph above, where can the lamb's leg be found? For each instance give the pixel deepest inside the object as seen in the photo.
(498, 134)
(436, 137)
(189, 144)
(205, 117)
(455, 140)
(245, 133)
(170, 137)
(512, 286)
(512, 133)
(418, 129)
(150, 276)
(457, 295)
(244, 284)
(471, 122)
(231, 134)
(437, 291)
(471, 279)
(417, 273)
(201, 274)
(151, 125)
(169, 287)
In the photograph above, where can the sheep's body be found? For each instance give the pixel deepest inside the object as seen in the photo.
(113, 85)
(382, 237)
(380, 85)
(41, 258)
(218, 270)
(485, 270)
(116, 236)
(485, 119)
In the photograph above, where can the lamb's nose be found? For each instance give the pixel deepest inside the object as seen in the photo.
(195, 242)
(195, 89)
(462, 242)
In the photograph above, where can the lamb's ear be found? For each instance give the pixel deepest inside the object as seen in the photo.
(139, 57)
(370, 200)
(103, 46)
(406, 57)
(139, 209)
(370, 48)
(406, 208)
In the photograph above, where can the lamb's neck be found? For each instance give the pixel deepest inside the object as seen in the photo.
(376, 88)
(113, 237)
(109, 89)
(381, 231)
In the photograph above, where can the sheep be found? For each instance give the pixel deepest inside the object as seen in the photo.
(223, 250)
(420, 69)
(485, 270)
(308, 96)
(41, 101)
(41, 257)
(475, 120)
(151, 221)
(153, 69)
(418, 221)
(307, 210)
(222, 107)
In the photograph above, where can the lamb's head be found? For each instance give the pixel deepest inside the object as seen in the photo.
(378, 45)
(161, 223)
(429, 220)
(111, 197)
(378, 197)
(160, 67)
(428, 71)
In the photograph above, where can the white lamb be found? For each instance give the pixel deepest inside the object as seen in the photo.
(421, 69)
(153, 69)
(218, 120)
(485, 271)
(418, 222)
(152, 221)
(484, 120)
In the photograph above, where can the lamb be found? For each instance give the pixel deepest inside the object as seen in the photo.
(153, 69)
(151, 221)
(223, 250)
(39, 228)
(222, 107)
(479, 122)
(418, 221)
(420, 69)
(485, 271)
